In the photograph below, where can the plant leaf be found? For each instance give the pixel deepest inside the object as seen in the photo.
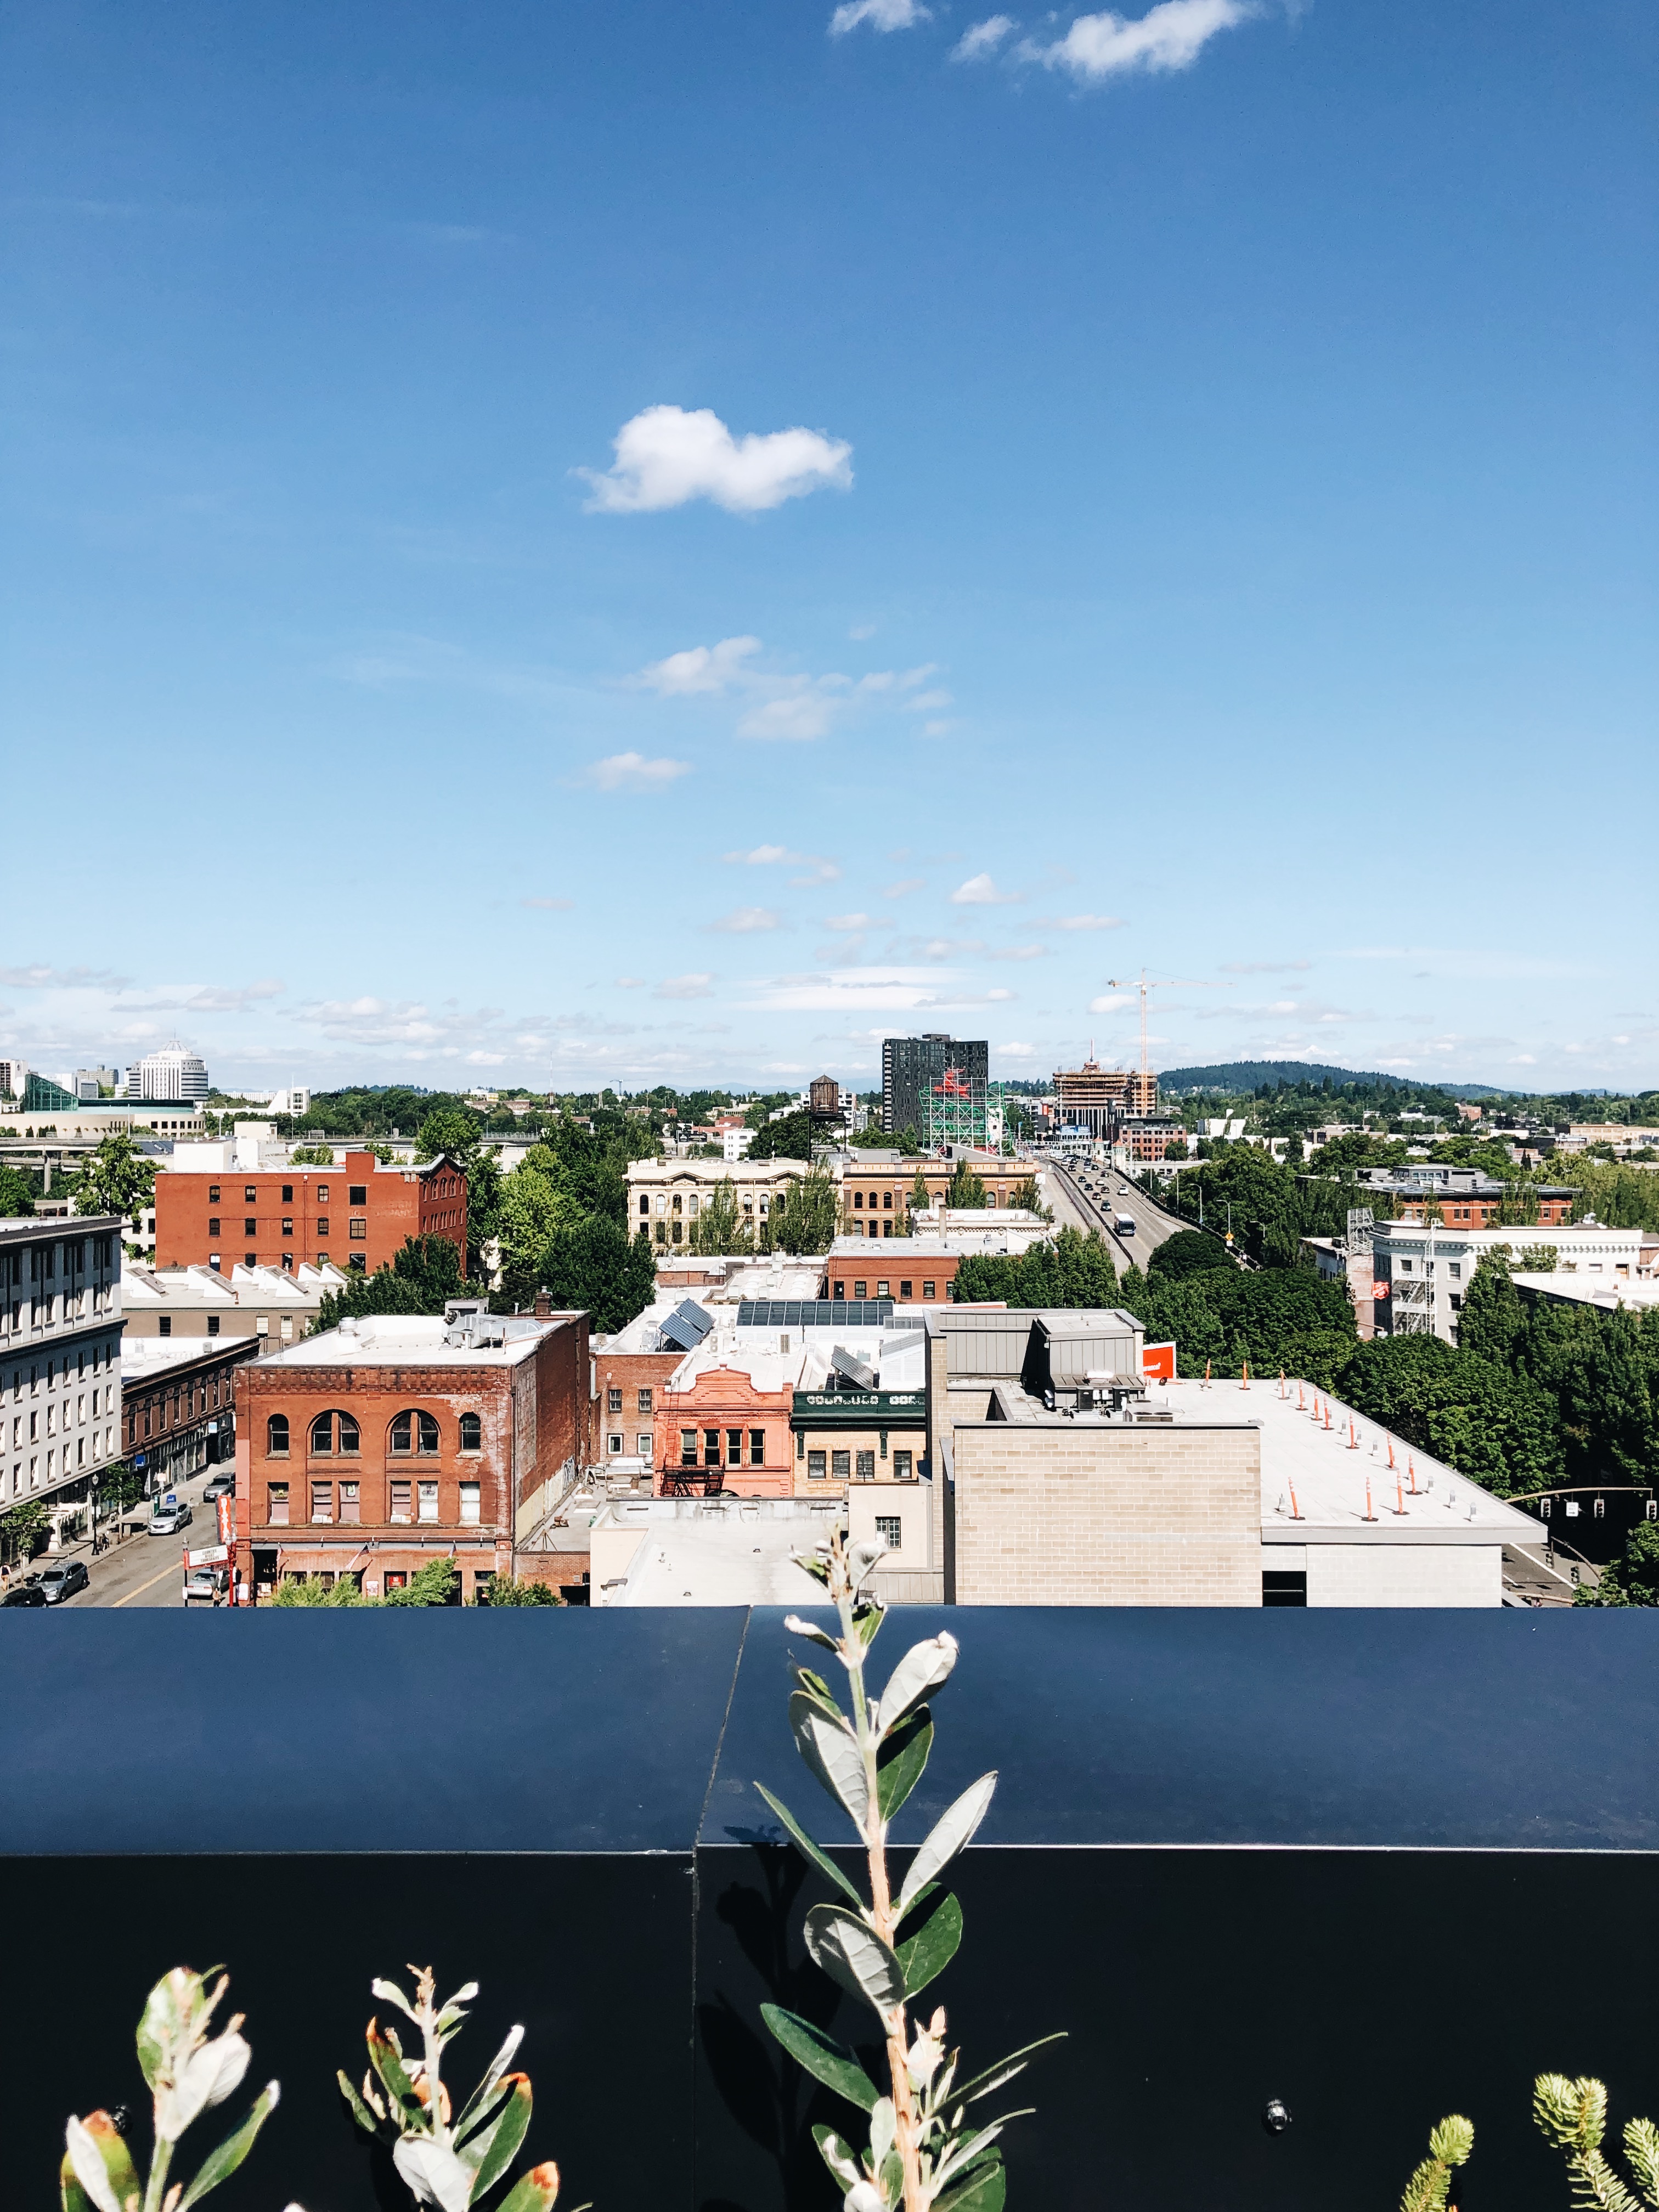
(832, 2063)
(932, 1949)
(831, 1751)
(389, 1993)
(359, 2111)
(218, 2165)
(498, 2066)
(432, 2172)
(966, 2151)
(820, 1859)
(923, 1668)
(83, 2158)
(491, 2150)
(108, 2141)
(387, 2063)
(900, 1761)
(536, 2192)
(982, 2191)
(953, 1830)
(837, 2155)
(855, 1955)
(980, 2085)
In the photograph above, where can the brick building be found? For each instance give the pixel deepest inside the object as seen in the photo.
(355, 1214)
(916, 1270)
(393, 1440)
(728, 1429)
(877, 1185)
(628, 1386)
(178, 1411)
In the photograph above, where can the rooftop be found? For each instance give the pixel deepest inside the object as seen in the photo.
(155, 1355)
(713, 1551)
(422, 1340)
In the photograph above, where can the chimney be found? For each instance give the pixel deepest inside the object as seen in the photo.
(544, 1306)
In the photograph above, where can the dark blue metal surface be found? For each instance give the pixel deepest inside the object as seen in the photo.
(441, 1730)
(1502, 1730)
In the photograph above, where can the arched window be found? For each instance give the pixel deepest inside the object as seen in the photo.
(324, 1439)
(276, 1436)
(322, 1435)
(415, 1432)
(471, 1432)
(348, 1435)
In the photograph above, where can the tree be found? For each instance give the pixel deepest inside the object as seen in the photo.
(1188, 1252)
(530, 1210)
(790, 1139)
(307, 1591)
(805, 1218)
(504, 1590)
(1176, 1149)
(1068, 1270)
(1498, 1429)
(438, 1583)
(1632, 1579)
(16, 1194)
(966, 1189)
(117, 1179)
(722, 1226)
(312, 1156)
(450, 1129)
(25, 1528)
(421, 1279)
(1491, 1319)
(592, 1267)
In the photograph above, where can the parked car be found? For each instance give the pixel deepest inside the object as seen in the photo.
(204, 1586)
(168, 1520)
(25, 1594)
(219, 1486)
(63, 1578)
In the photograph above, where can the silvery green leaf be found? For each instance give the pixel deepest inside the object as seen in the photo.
(883, 2129)
(821, 2054)
(855, 1955)
(834, 1756)
(432, 2173)
(864, 2196)
(797, 1626)
(207, 2077)
(359, 2111)
(965, 2151)
(389, 1993)
(922, 1669)
(983, 2190)
(220, 2164)
(90, 2171)
(838, 2157)
(498, 2066)
(980, 2085)
(953, 1829)
(820, 1859)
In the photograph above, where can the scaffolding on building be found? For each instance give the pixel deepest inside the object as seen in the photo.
(962, 1110)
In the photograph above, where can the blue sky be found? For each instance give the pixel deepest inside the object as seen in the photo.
(563, 544)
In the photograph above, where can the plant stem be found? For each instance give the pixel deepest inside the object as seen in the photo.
(157, 2183)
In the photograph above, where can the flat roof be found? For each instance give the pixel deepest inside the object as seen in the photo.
(717, 1552)
(419, 1340)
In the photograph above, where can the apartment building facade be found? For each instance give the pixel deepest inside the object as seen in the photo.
(665, 1197)
(60, 1357)
(356, 1215)
(178, 1404)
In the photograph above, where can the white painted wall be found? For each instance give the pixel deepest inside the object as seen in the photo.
(1404, 1574)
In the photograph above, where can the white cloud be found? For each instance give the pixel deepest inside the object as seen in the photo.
(981, 38)
(1083, 922)
(631, 982)
(928, 703)
(795, 716)
(1020, 952)
(743, 921)
(821, 871)
(879, 15)
(1110, 1005)
(902, 890)
(549, 905)
(700, 668)
(667, 457)
(685, 986)
(225, 998)
(849, 921)
(633, 772)
(761, 856)
(1169, 37)
(980, 890)
(897, 990)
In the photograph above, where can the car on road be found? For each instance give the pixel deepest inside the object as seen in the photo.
(204, 1586)
(63, 1578)
(218, 1488)
(168, 1520)
(25, 1594)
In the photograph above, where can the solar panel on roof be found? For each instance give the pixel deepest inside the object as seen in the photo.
(814, 1313)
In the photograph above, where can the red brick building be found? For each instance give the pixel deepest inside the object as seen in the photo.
(394, 1440)
(628, 1388)
(911, 1271)
(356, 1213)
(727, 1432)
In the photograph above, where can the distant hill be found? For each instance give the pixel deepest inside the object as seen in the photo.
(1245, 1074)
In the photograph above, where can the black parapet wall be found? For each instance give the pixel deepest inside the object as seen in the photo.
(1381, 1866)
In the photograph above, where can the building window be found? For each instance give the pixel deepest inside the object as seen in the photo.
(287, 1225)
(213, 1194)
(887, 1200)
(250, 1195)
(428, 1497)
(276, 1436)
(213, 1225)
(165, 1325)
(867, 1467)
(469, 1515)
(417, 1432)
(357, 1262)
(645, 1401)
(860, 1290)
(397, 1577)
(357, 1195)
(613, 1445)
(902, 1465)
(351, 1504)
(857, 1200)
(472, 1433)
(645, 1204)
(322, 1194)
(838, 1290)
(840, 1466)
(815, 1466)
(322, 1435)
(889, 1530)
(613, 1402)
(250, 1228)
(400, 1501)
(906, 1290)
(277, 1504)
(884, 1290)
(711, 1446)
(358, 1233)
(213, 1325)
(643, 1443)
(688, 1447)
(322, 1501)
(757, 1447)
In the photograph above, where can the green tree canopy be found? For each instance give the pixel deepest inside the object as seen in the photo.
(1070, 1269)
(530, 1207)
(1631, 1579)
(804, 1219)
(1188, 1252)
(592, 1267)
(16, 1194)
(722, 1224)
(504, 1590)
(421, 1279)
(1498, 1429)
(116, 1179)
(966, 1189)
(312, 1156)
(790, 1139)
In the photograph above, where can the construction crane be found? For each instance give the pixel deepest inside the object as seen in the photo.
(1155, 983)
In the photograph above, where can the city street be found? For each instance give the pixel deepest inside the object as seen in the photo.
(1086, 1197)
(146, 1570)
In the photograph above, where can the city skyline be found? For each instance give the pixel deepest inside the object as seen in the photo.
(662, 548)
